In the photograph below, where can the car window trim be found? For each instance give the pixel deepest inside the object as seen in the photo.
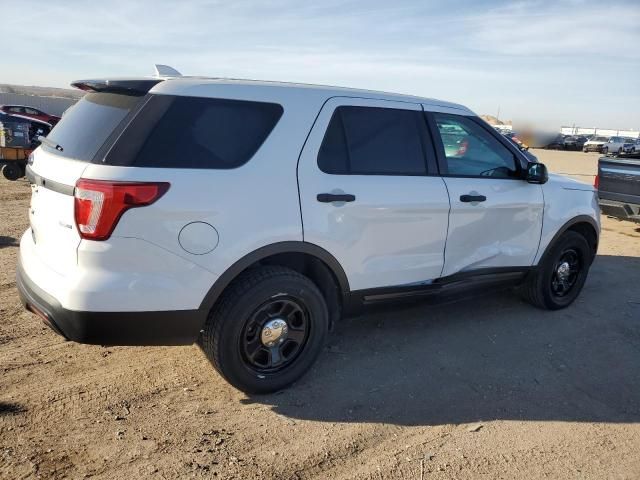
(519, 160)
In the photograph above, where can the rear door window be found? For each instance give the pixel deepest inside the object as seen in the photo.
(375, 141)
(195, 132)
(87, 125)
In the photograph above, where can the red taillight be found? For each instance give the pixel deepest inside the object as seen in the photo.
(99, 204)
(596, 182)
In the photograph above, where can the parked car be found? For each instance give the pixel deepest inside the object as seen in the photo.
(618, 184)
(613, 146)
(29, 113)
(574, 142)
(557, 143)
(250, 216)
(631, 145)
(595, 144)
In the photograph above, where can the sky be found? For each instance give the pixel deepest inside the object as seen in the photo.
(549, 62)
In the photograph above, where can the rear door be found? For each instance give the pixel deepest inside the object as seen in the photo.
(370, 195)
(56, 166)
(496, 216)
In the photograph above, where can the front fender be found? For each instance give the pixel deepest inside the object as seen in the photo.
(567, 204)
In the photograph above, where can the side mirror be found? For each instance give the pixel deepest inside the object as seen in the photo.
(537, 173)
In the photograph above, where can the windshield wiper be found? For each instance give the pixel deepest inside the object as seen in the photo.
(50, 143)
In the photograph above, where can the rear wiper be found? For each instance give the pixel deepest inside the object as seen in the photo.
(50, 143)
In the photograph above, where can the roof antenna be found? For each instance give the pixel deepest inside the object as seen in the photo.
(166, 71)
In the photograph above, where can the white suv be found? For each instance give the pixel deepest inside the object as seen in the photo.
(249, 216)
(614, 145)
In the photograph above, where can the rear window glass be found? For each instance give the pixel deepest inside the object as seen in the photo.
(85, 127)
(374, 141)
(192, 132)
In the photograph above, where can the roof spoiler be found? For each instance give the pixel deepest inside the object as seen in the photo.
(126, 86)
(122, 86)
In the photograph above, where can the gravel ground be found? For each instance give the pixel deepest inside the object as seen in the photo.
(487, 388)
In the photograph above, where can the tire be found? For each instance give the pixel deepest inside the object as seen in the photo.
(11, 171)
(541, 288)
(605, 150)
(238, 325)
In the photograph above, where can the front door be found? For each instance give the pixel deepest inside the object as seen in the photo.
(370, 195)
(496, 216)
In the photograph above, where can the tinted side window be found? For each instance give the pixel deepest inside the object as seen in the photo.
(374, 141)
(333, 156)
(86, 126)
(207, 133)
(471, 151)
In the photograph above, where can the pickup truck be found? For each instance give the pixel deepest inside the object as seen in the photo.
(618, 184)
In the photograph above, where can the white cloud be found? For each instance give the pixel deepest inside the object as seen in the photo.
(547, 55)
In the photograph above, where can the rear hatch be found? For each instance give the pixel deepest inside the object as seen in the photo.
(82, 136)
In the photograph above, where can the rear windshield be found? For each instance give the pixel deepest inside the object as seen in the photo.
(194, 132)
(85, 127)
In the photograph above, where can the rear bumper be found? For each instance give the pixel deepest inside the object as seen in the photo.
(179, 327)
(622, 210)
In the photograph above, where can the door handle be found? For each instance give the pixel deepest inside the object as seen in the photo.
(472, 198)
(335, 197)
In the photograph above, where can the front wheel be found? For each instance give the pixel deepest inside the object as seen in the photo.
(561, 274)
(605, 150)
(267, 329)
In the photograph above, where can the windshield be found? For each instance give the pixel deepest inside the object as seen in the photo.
(85, 127)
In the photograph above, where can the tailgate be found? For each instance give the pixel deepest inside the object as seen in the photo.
(619, 179)
(51, 213)
(58, 164)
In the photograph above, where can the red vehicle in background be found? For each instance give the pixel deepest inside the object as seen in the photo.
(29, 113)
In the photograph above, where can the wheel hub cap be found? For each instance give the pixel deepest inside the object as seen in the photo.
(274, 332)
(563, 270)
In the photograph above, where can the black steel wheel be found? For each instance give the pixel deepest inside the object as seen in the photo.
(558, 279)
(274, 335)
(565, 273)
(266, 330)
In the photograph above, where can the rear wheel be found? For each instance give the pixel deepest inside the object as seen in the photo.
(559, 278)
(605, 150)
(12, 171)
(266, 330)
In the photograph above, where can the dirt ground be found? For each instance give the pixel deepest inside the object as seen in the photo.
(487, 388)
